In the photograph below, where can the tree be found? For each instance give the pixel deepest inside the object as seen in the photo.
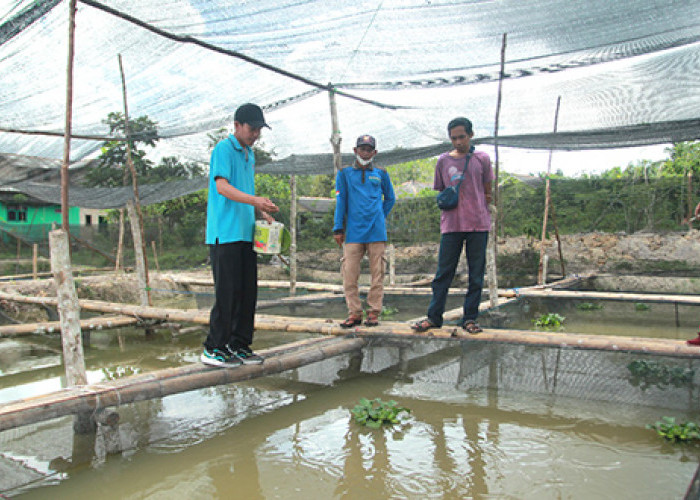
(684, 158)
(112, 170)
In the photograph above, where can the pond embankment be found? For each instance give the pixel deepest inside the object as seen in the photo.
(673, 259)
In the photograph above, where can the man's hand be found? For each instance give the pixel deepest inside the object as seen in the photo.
(265, 205)
(269, 218)
(339, 238)
(697, 210)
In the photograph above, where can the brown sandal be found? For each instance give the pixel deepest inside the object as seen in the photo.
(472, 327)
(351, 321)
(423, 325)
(372, 319)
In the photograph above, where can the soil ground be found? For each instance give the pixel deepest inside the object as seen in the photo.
(672, 254)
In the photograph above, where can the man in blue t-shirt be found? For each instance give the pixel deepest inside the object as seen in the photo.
(231, 209)
(364, 197)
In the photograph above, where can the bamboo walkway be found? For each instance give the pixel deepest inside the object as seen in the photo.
(94, 397)
(97, 323)
(335, 341)
(617, 296)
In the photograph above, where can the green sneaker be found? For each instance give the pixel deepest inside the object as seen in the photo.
(217, 357)
(246, 356)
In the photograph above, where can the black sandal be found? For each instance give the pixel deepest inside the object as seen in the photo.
(423, 326)
(472, 327)
(351, 321)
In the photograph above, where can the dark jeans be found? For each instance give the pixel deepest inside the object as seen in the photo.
(448, 258)
(235, 271)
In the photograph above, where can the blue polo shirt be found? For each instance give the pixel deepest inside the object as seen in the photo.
(363, 205)
(227, 220)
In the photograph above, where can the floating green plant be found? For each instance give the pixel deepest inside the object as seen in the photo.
(645, 373)
(589, 306)
(387, 311)
(550, 320)
(374, 413)
(641, 306)
(668, 429)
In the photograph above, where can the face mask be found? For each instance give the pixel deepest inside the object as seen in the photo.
(362, 162)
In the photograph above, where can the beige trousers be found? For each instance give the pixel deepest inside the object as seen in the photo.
(350, 270)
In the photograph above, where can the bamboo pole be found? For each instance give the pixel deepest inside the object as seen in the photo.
(547, 202)
(49, 273)
(293, 231)
(166, 382)
(35, 261)
(68, 309)
(120, 244)
(492, 249)
(155, 254)
(69, 116)
(139, 254)
(47, 327)
(136, 202)
(556, 233)
(336, 139)
(690, 199)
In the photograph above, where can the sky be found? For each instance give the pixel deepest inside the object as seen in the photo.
(573, 163)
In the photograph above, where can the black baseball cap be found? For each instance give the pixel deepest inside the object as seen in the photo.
(366, 140)
(251, 114)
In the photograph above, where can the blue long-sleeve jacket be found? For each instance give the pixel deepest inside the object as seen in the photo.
(364, 198)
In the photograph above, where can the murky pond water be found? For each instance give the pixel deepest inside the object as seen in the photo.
(487, 421)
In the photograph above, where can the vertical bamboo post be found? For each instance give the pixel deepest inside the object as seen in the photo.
(544, 269)
(492, 250)
(59, 250)
(68, 309)
(138, 220)
(19, 252)
(155, 254)
(336, 139)
(547, 202)
(690, 199)
(35, 258)
(293, 231)
(69, 115)
(139, 254)
(556, 233)
(392, 264)
(120, 244)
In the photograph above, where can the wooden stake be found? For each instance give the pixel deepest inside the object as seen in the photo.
(120, 244)
(547, 202)
(68, 309)
(35, 263)
(69, 116)
(293, 231)
(492, 249)
(138, 220)
(336, 139)
(139, 254)
(155, 255)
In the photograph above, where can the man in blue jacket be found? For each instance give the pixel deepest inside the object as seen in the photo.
(364, 198)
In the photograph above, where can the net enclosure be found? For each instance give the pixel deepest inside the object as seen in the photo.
(628, 73)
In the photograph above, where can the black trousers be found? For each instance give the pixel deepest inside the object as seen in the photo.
(235, 271)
